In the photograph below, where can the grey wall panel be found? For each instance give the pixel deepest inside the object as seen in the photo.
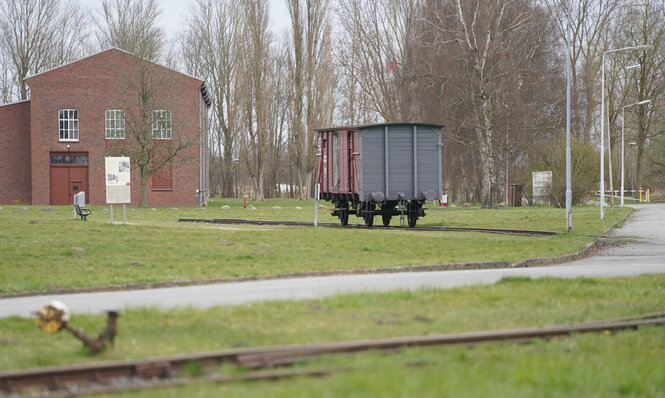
(400, 160)
(428, 160)
(400, 163)
(372, 168)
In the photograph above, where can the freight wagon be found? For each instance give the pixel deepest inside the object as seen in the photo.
(382, 169)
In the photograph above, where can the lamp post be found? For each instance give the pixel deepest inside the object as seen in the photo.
(633, 145)
(623, 110)
(602, 121)
(569, 191)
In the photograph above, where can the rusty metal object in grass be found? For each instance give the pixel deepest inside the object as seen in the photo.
(54, 317)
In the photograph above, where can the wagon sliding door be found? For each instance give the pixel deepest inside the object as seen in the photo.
(400, 159)
(428, 164)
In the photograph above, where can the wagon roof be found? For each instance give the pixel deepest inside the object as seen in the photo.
(378, 125)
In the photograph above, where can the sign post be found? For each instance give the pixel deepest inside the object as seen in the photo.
(118, 187)
(541, 183)
(317, 193)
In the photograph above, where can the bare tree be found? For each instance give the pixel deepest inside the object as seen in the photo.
(154, 127)
(648, 82)
(211, 46)
(255, 142)
(486, 31)
(377, 38)
(7, 79)
(37, 35)
(311, 73)
(131, 25)
(72, 34)
(488, 68)
(277, 115)
(590, 21)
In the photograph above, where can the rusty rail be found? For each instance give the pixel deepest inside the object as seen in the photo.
(520, 232)
(163, 371)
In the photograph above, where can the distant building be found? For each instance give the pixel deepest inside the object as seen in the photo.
(52, 146)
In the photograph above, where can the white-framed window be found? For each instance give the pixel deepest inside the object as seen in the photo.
(115, 124)
(68, 124)
(161, 125)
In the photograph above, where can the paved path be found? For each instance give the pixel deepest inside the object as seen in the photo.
(646, 255)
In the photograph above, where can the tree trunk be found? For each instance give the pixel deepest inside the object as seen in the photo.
(488, 179)
(144, 188)
(302, 195)
(260, 195)
(227, 169)
(308, 185)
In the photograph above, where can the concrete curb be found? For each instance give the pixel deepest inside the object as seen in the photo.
(530, 262)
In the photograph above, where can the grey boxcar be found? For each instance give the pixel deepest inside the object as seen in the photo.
(382, 169)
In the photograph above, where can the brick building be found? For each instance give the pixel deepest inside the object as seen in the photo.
(53, 145)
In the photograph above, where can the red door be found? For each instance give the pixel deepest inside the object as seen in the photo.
(69, 176)
(59, 187)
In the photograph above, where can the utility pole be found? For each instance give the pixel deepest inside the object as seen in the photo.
(569, 191)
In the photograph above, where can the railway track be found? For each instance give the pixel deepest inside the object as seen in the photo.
(164, 371)
(521, 232)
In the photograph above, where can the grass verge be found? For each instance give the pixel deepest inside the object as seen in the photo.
(626, 364)
(50, 250)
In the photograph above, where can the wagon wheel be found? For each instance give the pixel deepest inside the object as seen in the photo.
(343, 213)
(413, 214)
(369, 215)
(386, 215)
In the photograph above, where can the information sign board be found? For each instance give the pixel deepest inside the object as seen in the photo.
(118, 187)
(542, 183)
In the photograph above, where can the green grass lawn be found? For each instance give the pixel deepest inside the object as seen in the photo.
(625, 364)
(48, 250)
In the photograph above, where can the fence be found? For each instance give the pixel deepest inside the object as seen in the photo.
(643, 194)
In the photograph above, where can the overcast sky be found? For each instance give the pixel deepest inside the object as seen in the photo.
(174, 12)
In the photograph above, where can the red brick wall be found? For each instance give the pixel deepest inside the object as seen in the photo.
(93, 85)
(15, 155)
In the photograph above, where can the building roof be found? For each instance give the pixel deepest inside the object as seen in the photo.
(14, 103)
(203, 88)
(365, 126)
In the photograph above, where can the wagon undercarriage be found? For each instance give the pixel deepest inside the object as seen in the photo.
(407, 210)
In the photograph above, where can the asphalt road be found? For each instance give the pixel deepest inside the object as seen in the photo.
(645, 254)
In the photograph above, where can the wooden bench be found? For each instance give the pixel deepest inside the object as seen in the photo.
(83, 212)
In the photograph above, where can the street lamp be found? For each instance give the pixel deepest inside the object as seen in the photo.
(633, 145)
(569, 191)
(623, 110)
(602, 122)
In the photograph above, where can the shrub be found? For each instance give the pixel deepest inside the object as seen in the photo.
(585, 161)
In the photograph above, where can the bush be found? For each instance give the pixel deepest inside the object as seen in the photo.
(585, 161)
(654, 176)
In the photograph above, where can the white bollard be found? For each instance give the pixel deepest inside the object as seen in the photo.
(317, 194)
